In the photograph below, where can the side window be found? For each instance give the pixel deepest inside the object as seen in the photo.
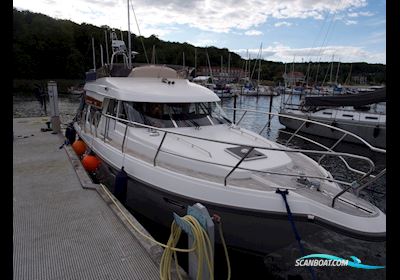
(121, 111)
(112, 107)
(94, 116)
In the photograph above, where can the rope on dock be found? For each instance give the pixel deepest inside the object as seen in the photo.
(202, 244)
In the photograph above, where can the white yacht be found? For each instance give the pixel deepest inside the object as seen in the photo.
(178, 147)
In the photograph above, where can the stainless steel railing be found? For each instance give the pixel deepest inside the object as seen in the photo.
(329, 151)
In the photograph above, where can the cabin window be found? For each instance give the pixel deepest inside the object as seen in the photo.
(371, 118)
(94, 116)
(166, 115)
(112, 107)
(327, 113)
(121, 111)
(346, 115)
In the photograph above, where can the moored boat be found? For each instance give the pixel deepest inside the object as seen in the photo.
(178, 147)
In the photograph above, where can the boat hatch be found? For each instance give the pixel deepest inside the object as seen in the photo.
(241, 151)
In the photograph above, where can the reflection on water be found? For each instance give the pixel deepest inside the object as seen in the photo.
(280, 264)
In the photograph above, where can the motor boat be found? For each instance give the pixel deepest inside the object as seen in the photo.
(178, 147)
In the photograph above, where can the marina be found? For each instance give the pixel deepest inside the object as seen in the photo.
(278, 262)
(199, 162)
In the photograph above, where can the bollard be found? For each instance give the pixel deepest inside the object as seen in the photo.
(53, 102)
(201, 213)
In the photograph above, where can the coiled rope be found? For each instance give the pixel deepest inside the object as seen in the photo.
(201, 246)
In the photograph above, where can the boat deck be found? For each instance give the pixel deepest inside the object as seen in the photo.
(61, 230)
(269, 182)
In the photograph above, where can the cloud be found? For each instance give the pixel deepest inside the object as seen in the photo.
(364, 14)
(221, 16)
(280, 52)
(350, 22)
(253, 33)
(282, 23)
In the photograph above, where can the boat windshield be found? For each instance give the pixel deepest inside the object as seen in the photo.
(164, 115)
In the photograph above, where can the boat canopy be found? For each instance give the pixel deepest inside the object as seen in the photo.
(359, 99)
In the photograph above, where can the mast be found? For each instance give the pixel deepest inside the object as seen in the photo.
(337, 72)
(348, 77)
(129, 39)
(101, 55)
(316, 75)
(94, 57)
(229, 65)
(209, 67)
(308, 72)
(259, 68)
(195, 61)
(221, 64)
(153, 55)
(108, 57)
(330, 77)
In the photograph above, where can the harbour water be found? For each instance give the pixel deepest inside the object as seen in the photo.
(280, 264)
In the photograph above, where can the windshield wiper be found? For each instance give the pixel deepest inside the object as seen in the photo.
(191, 120)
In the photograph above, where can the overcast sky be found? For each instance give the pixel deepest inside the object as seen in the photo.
(300, 30)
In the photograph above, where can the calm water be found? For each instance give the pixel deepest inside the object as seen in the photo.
(280, 264)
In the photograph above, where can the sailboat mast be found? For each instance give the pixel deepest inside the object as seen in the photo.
(330, 77)
(308, 72)
(108, 57)
(129, 39)
(337, 72)
(101, 55)
(94, 57)
(209, 67)
(195, 61)
(229, 65)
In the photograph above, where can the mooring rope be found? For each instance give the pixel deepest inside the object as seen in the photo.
(296, 233)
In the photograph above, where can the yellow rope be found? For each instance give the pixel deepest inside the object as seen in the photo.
(138, 230)
(203, 250)
(202, 245)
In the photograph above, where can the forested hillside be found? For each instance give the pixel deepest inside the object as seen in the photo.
(46, 48)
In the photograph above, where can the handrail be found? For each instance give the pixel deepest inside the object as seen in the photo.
(252, 147)
(322, 146)
(159, 147)
(291, 150)
(295, 133)
(237, 165)
(358, 188)
(194, 145)
(123, 140)
(333, 146)
(375, 149)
